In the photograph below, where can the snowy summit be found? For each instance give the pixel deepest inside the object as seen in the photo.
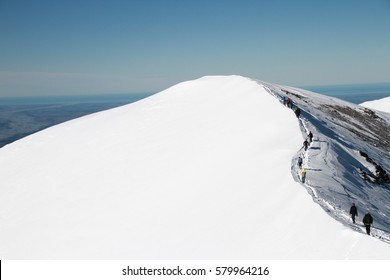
(206, 169)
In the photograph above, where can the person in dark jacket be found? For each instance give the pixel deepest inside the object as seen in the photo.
(284, 100)
(300, 162)
(297, 112)
(367, 221)
(310, 135)
(305, 145)
(353, 212)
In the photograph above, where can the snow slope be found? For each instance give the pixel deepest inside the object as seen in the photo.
(379, 105)
(201, 170)
(349, 141)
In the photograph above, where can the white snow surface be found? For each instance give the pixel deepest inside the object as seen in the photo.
(379, 105)
(202, 170)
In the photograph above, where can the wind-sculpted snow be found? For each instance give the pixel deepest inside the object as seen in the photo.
(350, 142)
(201, 170)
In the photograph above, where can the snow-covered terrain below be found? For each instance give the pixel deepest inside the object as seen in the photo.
(203, 170)
(379, 105)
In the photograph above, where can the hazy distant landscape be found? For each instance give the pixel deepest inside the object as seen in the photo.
(20, 117)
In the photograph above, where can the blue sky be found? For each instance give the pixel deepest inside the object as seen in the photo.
(59, 47)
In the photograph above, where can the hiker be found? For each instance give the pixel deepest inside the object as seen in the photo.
(284, 100)
(305, 145)
(300, 162)
(289, 102)
(297, 112)
(303, 175)
(310, 135)
(367, 221)
(353, 212)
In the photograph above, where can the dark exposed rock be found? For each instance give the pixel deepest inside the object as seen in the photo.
(380, 176)
(364, 123)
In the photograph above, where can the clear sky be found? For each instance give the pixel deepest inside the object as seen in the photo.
(58, 47)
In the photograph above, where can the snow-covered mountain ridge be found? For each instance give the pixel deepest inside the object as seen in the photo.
(352, 142)
(202, 170)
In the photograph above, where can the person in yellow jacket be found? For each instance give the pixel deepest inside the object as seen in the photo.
(303, 175)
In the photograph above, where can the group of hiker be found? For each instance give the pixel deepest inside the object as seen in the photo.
(367, 219)
(306, 144)
(308, 141)
(289, 103)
